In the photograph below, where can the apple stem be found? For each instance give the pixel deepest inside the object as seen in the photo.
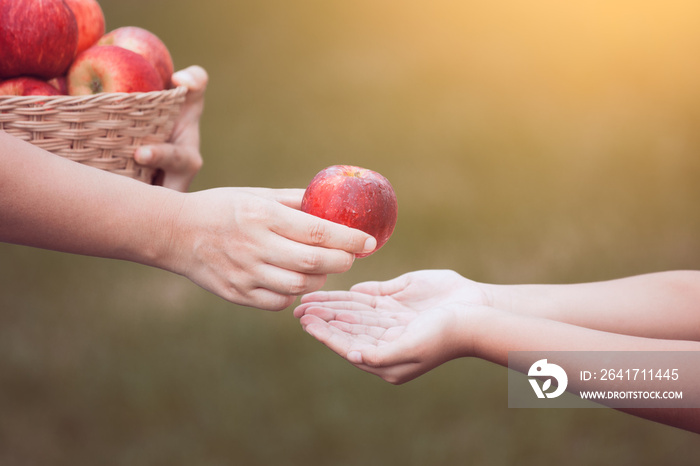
(96, 85)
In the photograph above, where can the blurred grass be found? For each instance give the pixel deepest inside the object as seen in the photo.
(547, 142)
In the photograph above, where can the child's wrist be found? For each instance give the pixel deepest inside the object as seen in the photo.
(498, 296)
(470, 328)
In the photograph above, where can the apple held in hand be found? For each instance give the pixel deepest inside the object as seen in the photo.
(111, 69)
(37, 37)
(90, 20)
(356, 197)
(25, 85)
(146, 44)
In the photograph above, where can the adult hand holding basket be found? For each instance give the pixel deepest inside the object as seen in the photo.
(178, 159)
(123, 110)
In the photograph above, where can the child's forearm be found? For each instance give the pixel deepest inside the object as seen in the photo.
(53, 203)
(659, 305)
(496, 333)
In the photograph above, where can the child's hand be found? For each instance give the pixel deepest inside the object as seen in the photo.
(179, 158)
(398, 329)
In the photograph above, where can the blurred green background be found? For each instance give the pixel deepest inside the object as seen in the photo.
(528, 142)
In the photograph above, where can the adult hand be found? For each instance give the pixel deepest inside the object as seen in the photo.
(179, 160)
(397, 329)
(252, 246)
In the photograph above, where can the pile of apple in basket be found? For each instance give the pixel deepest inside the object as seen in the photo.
(59, 47)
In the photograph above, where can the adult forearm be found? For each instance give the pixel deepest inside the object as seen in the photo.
(53, 203)
(657, 305)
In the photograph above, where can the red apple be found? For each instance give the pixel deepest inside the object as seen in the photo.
(91, 22)
(37, 37)
(108, 68)
(144, 43)
(356, 197)
(60, 83)
(25, 85)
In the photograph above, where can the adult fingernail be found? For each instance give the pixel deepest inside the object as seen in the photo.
(370, 244)
(183, 78)
(144, 155)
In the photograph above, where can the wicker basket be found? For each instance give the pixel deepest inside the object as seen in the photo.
(101, 130)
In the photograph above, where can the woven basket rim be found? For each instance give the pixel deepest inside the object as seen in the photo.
(93, 98)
